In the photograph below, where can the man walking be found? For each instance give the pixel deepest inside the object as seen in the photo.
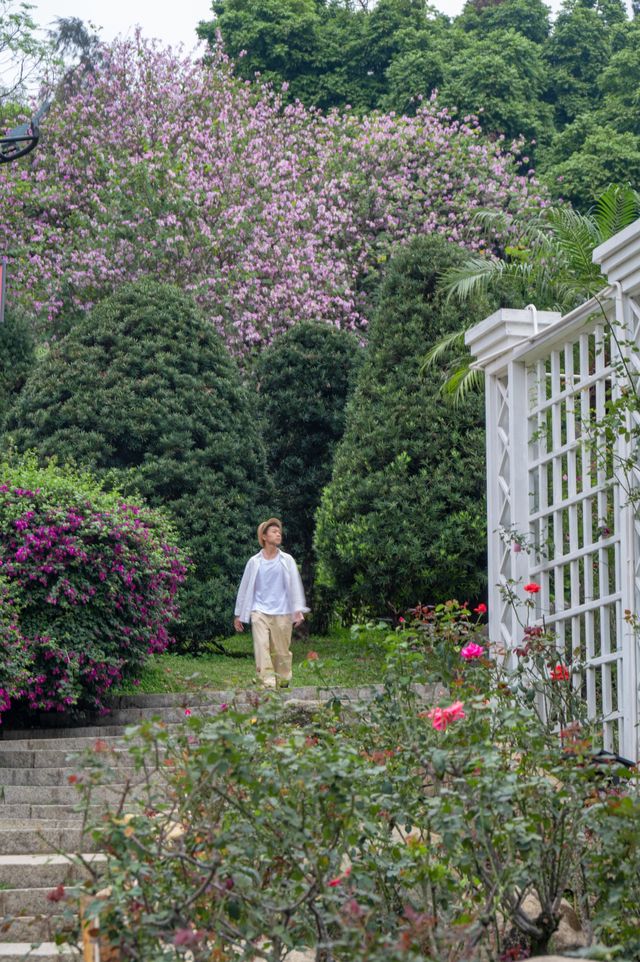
(271, 597)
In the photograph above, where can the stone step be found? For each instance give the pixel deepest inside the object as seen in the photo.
(24, 813)
(27, 902)
(181, 699)
(45, 777)
(49, 758)
(46, 952)
(40, 871)
(30, 928)
(19, 837)
(53, 734)
(125, 710)
(71, 743)
(129, 717)
(69, 795)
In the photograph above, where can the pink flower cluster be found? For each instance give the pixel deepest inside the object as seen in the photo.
(268, 213)
(441, 718)
(87, 594)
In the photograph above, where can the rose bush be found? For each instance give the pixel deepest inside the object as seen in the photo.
(396, 830)
(88, 589)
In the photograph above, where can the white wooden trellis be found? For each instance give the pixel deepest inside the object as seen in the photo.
(558, 499)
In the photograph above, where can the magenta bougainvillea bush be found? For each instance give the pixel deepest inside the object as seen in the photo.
(267, 213)
(87, 588)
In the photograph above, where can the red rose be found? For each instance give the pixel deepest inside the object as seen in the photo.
(532, 588)
(560, 673)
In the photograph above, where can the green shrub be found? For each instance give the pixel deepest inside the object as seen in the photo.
(88, 587)
(17, 357)
(403, 516)
(143, 390)
(415, 827)
(303, 380)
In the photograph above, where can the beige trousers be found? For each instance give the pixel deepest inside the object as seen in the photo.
(271, 641)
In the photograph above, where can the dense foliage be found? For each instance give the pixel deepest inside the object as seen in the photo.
(142, 389)
(411, 828)
(568, 86)
(17, 356)
(403, 515)
(88, 588)
(303, 381)
(268, 214)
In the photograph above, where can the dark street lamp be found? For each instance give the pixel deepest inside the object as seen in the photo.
(21, 140)
(16, 143)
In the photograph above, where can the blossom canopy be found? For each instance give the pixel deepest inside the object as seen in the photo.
(267, 213)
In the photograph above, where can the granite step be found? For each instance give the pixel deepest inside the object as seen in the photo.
(50, 777)
(24, 813)
(45, 952)
(43, 871)
(30, 928)
(9, 735)
(68, 795)
(49, 758)
(27, 902)
(25, 836)
(80, 744)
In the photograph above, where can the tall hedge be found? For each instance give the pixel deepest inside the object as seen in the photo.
(403, 517)
(303, 380)
(143, 388)
(17, 357)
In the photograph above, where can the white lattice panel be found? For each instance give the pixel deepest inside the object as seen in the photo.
(574, 517)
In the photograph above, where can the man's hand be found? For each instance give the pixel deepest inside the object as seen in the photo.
(237, 624)
(297, 619)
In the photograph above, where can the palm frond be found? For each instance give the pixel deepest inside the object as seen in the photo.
(447, 343)
(575, 236)
(472, 278)
(616, 208)
(529, 224)
(462, 381)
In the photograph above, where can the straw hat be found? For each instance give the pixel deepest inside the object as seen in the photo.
(262, 528)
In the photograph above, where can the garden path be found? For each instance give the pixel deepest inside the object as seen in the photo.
(39, 820)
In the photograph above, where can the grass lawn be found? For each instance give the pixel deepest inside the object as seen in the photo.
(342, 661)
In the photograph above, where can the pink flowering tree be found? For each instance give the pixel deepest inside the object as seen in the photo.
(87, 590)
(267, 213)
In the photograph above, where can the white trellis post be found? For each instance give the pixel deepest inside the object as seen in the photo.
(492, 343)
(619, 260)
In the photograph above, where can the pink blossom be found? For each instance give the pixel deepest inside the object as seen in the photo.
(265, 212)
(471, 651)
(441, 718)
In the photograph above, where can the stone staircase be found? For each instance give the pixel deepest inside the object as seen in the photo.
(38, 809)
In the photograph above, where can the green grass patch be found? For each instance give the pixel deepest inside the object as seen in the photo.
(342, 661)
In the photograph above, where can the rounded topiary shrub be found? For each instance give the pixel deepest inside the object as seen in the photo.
(403, 517)
(88, 588)
(143, 390)
(303, 380)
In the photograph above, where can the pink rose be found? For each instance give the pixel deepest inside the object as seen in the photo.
(441, 718)
(471, 651)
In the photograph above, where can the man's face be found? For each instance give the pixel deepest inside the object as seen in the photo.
(273, 535)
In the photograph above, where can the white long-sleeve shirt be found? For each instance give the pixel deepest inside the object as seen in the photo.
(293, 584)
